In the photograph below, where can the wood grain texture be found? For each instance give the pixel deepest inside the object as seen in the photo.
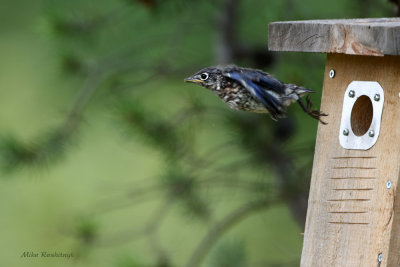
(374, 37)
(352, 216)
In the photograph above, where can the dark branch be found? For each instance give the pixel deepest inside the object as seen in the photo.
(219, 228)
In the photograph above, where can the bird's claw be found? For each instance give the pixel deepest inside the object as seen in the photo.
(316, 114)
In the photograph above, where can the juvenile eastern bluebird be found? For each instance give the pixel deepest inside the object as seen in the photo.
(253, 90)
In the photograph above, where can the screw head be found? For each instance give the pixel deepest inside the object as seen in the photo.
(346, 132)
(380, 257)
(331, 74)
(377, 97)
(388, 184)
(371, 133)
(352, 93)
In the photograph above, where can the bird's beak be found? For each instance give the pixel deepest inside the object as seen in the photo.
(192, 80)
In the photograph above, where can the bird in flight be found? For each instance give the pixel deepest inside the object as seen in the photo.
(254, 90)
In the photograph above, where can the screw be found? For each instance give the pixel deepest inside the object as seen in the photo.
(377, 97)
(352, 93)
(380, 257)
(371, 133)
(331, 74)
(346, 132)
(388, 184)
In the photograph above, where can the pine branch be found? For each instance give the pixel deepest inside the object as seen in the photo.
(219, 228)
(135, 196)
(150, 228)
(81, 101)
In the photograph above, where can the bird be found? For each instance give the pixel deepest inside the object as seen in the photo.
(254, 90)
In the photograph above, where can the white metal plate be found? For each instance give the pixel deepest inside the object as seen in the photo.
(364, 142)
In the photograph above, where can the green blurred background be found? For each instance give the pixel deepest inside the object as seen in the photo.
(108, 155)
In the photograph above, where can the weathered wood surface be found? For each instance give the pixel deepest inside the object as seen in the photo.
(352, 216)
(374, 37)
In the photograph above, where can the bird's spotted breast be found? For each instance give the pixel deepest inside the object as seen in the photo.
(239, 98)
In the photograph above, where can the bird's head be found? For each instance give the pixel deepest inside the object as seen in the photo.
(208, 77)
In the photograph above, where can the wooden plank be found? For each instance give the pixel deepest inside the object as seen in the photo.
(374, 37)
(352, 216)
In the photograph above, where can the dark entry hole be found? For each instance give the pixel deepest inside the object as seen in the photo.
(361, 115)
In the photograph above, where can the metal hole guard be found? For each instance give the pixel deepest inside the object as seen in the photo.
(347, 138)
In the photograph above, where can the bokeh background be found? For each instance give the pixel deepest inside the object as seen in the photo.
(105, 152)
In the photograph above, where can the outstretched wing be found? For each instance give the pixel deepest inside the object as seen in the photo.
(262, 86)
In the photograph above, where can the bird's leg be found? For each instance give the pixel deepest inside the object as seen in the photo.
(316, 114)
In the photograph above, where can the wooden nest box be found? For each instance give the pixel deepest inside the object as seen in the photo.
(353, 216)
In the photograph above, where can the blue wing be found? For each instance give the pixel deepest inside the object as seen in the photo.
(262, 86)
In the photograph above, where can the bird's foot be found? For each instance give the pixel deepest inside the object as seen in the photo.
(316, 114)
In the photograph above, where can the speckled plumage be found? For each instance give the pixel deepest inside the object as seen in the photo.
(237, 97)
(253, 90)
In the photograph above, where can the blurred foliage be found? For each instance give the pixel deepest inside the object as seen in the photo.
(15, 154)
(87, 230)
(228, 254)
(129, 57)
(127, 261)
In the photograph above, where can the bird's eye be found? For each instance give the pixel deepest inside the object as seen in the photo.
(204, 76)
